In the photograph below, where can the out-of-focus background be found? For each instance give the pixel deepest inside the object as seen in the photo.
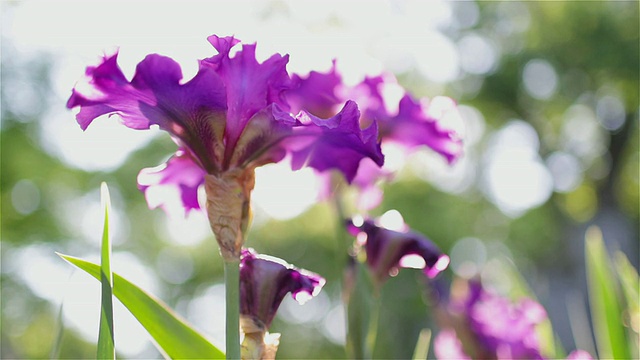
(548, 93)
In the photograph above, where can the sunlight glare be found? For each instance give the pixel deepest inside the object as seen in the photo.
(283, 193)
(412, 261)
(392, 220)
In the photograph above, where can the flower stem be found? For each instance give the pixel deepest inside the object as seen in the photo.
(232, 290)
(372, 331)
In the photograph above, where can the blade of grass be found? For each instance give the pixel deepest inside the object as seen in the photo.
(173, 336)
(603, 298)
(422, 346)
(630, 282)
(57, 344)
(106, 344)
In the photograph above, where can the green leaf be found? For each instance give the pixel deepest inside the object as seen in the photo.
(630, 282)
(604, 299)
(173, 336)
(106, 347)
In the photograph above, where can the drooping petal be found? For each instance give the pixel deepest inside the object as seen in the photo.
(264, 282)
(173, 185)
(334, 143)
(401, 119)
(367, 178)
(193, 112)
(388, 249)
(413, 127)
(105, 90)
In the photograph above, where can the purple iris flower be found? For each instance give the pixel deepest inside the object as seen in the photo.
(230, 118)
(264, 282)
(491, 326)
(389, 249)
(231, 114)
(406, 122)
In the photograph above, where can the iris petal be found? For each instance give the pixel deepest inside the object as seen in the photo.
(386, 248)
(264, 282)
(173, 184)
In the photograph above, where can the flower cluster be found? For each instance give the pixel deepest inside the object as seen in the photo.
(491, 326)
(230, 118)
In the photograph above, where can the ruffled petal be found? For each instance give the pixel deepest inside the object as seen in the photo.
(388, 249)
(173, 185)
(250, 86)
(406, 121)
(317, 93)
(413, 127)
(264, 282)
(193, 112)
(105, 90)
(334, 143)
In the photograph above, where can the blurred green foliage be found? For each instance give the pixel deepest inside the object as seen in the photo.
(593, 47)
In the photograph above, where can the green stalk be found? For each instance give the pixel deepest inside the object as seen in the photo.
(372, 330)
(232, 290)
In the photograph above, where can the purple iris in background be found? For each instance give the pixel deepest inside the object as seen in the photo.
(489, 326)
(390, 247)
(264, 282)
(230, 118)
(407, 122)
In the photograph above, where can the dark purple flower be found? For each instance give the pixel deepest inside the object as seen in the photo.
(492, 326)
(264, 282)
(404, 121)
(388, 249)
(232, 114)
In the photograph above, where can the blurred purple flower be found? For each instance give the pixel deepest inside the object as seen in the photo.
(231, 115)
(264, 282)
(404, 121)
(491, 326)
(388, 249)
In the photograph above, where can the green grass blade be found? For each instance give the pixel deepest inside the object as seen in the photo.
(173, 336)
(421, 350)
(630, 282)
(603, 299)
(57, 344)
(106, 344)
